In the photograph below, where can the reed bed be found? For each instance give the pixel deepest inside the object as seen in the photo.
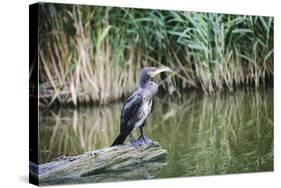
(94, 54)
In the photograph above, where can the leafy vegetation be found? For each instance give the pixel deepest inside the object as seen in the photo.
(94, 54)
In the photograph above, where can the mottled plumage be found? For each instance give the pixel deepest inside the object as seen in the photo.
(139, 105)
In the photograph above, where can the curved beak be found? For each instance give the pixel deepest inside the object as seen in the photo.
(159, 70)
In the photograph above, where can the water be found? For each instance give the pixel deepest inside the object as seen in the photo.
(204, 135)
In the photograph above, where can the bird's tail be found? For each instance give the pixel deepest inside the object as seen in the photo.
(119, 140)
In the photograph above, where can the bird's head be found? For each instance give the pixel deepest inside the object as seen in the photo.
(147, 73)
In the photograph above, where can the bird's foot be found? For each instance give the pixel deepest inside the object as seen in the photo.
(135, 143)
(144, 140)
(141, 141)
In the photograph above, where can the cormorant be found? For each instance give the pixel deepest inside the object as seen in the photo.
(138, 106)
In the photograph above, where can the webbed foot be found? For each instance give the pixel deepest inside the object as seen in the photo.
(136, 143)
(144, 140)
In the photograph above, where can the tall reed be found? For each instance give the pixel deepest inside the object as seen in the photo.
(94, 54)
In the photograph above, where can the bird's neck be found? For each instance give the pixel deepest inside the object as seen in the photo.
(145, 84)
(151, 86)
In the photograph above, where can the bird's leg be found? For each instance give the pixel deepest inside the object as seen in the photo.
(142, 139)
(142, 133)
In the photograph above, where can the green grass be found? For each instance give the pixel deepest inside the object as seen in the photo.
(94, 54)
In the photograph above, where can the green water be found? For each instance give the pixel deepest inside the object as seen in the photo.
(204, 135)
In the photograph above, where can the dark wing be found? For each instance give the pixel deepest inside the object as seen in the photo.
(152, 106)
(130, 108)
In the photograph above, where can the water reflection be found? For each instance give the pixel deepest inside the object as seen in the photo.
(226, 133)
